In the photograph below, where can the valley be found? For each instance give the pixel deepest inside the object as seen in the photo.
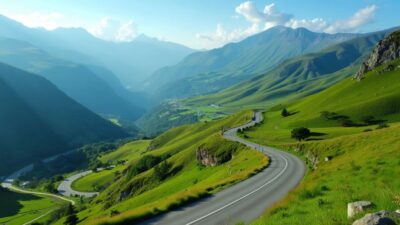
(287, 121)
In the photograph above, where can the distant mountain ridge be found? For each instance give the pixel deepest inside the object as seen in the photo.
(210, 71)
(93, 87)
(38, 120)
(130, 61)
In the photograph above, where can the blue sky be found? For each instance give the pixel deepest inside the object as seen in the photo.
(202, 23)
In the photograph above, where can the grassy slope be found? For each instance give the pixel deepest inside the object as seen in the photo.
(376, 95)
(364, 164)
(190, 180)
(129, 151)
(19, 208)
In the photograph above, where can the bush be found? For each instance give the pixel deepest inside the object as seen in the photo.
(161, 171)
(145, 163)
(382, 125)
(285, 113)
(368, 120)
(301, 133)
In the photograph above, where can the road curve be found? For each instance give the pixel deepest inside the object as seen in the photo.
(65, 186)
(246, 200)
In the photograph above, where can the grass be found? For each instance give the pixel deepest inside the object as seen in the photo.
(17, 208)
(186, 181)
(100, 180)
(364, 165)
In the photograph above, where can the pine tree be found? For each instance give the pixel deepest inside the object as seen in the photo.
(71, 219)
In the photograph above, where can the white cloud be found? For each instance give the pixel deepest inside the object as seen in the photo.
(49, 21)
(221, 36)
(115, 30)
(360, 18)
(270, 17)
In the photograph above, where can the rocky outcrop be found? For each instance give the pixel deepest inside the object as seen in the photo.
(379, 218)
(385, 51)
(205, 158)
(356, 207)
(312, 159)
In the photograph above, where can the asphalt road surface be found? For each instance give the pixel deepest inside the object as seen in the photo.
(246, 200)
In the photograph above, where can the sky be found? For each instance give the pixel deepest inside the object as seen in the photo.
(202, 24)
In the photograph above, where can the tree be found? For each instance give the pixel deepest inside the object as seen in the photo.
(301, 133)
(161, 170)
(285, 113)
(368, 120)
(71, 219)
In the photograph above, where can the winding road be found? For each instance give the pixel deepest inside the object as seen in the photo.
(65, 186)
(246, 200)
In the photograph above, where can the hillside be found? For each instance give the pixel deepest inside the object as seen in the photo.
(39, 121)
(293, 79)
(213, 70)
(354, 131)
(139, 189)
(131, 61)
(102, 93)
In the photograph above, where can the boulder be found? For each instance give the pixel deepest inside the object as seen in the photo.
(356, 207)
(205, 158)
(379, 218)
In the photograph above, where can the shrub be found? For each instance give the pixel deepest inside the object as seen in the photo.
(382, 125)
(161, 171)
(285, 113)
(145, 163)
(301, 133)
(368, 120)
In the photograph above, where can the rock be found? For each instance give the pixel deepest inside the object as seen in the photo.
(379, 218)
(385, 51)
(312, 158)
(205, 158)
(356, 207)
(398, 211)
(328, 158)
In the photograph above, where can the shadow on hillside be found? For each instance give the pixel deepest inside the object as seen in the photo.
(10, 202)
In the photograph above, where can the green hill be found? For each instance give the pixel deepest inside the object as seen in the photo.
(38, 120)
(213, 70)
(293, 79)
(139, 189)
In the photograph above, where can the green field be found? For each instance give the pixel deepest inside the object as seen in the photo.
(186, 180)
(102, 179)
(365, 160)
(17, 208)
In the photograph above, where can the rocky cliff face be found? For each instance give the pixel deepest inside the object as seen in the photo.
(205, 158)
(385, 51)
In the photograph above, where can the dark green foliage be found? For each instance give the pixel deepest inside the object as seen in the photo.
(71, 217)
(40, 121)
(145, 163)
(162, 170)
(285, 113)
(382, 125)
(344, 122)
(301, 133)
(368, 120)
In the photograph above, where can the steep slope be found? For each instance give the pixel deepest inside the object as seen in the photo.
(131, 61)
(37, 120)
(100, 93)
(210, 71)
(342, 159)
(299, 76)
(291, 80)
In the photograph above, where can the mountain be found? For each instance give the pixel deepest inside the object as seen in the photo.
(38, 120)
(292, 79)
(299, 76)
(131, 61)
(95, 87)
(210, 71)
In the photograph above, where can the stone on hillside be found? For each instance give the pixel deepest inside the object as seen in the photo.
(385, 51)
(356, 207)
(205, 158)
(379, 218)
